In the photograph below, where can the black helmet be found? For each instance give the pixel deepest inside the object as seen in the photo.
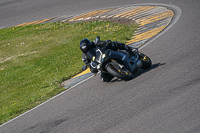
(85, 45)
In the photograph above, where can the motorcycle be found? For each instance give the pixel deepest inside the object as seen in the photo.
(119, 64)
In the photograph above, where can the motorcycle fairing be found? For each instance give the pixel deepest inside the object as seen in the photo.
(95, 55)
(119, 56)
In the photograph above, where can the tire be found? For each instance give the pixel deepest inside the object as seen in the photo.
(114, 72)
(146, 61)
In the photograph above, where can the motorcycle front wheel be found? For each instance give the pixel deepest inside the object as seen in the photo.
(122, 73)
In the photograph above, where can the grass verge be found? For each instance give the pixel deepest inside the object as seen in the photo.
(35, 59)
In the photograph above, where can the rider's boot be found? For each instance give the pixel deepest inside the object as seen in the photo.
(106, 77)
(132, 51)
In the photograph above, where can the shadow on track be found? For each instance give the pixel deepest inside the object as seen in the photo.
(140, 72)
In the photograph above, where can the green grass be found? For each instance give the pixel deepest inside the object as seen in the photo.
(35, 59)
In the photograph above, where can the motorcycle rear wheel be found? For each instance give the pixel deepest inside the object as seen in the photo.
(116, 72)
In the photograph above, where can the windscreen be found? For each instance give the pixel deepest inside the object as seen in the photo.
(98, 56)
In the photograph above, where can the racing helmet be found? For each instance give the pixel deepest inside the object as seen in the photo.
(85, 45)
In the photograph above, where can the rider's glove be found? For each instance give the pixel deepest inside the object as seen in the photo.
(93, 70)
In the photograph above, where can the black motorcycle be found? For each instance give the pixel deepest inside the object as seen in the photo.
(119, 64)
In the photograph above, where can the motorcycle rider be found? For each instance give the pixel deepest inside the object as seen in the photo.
(86, 45)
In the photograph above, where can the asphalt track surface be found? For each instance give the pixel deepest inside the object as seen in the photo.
(162, 99)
